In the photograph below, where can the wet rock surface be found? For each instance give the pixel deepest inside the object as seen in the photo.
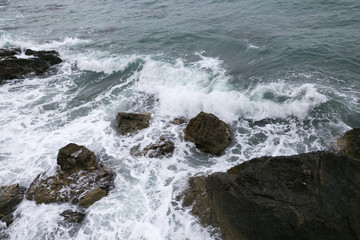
(78, 179)
(72, 216)
(349, 144)
(307, 196)
(178, 121)
(209, 133)
(35, 63)
(10, 197)
(161, 148)
(132, 122)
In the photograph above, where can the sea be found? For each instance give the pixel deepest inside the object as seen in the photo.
(284, 75)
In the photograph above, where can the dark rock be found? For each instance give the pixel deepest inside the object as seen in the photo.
(161, 148)
(9, 53)
(73, 217)
(10, 197)
(307, 196)
(49, 56)
(74, 157)
(209, 133)
(12, 67)
(79, 176)
(178, 121)
(132, 122)
(349, 144)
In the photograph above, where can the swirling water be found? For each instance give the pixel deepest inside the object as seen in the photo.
(285, 75)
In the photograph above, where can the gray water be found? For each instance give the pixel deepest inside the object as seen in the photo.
(283, 74)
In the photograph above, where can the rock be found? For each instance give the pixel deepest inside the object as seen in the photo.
(132, 122)
(12, 67)
(78, 176)
(209, 133)
(161, 148)
(178, 121)
(73, 217)
(91, 197)
(349, 144)
(307, 196)
(10, 197)
(74, 157)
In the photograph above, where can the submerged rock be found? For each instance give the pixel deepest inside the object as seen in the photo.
(132, 122)
(12, 67)
(307, 196)
(209, 133)
(77, 180)
(161, 148)
(178, 121)
(10, 197)
(73, 217)
(349, 144)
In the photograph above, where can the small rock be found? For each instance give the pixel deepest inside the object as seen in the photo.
(349, 144)
(91, 197)
(132, 122)
(73, 217)
(178, 121)
(161, 148)
(209, 133)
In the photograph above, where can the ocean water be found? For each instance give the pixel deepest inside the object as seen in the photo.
(285, 76)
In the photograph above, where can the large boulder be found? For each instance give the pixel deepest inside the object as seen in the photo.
(307, 196)
(80, 180)
(37, 62)
(132, 122)
(349, 144)
(10, 197)
(209, 133)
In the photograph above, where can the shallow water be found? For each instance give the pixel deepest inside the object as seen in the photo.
(283, 74)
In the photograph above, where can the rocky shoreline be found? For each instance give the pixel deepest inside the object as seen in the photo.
(17, 63)
(313, 195)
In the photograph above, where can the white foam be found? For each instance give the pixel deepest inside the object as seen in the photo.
(44, 218)
(186, 90)
(99, 61)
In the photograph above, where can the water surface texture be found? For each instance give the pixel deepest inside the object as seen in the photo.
(285, 75)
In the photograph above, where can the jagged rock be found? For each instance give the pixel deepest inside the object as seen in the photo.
(10, 197)
(73, 217)
(209, 133)
(161, 148)
(178, 121)
(79, 176)
(349, 144)
(132, 122)
(12, 67)
(307, 196)
(74, 157)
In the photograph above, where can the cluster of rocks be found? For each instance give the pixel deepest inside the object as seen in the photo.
(80, 180)
(209, 133)
(12, 66)
(307, 196)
